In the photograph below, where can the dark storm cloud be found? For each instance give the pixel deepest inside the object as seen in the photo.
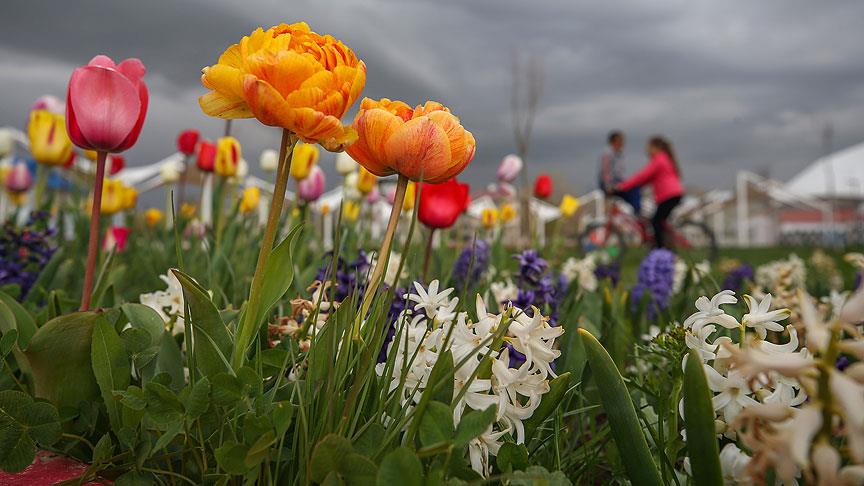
(734, 84)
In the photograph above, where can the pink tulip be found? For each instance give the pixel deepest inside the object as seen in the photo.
(106, 104)
(509, 168)
(374, 195)
(19, 178)
(311, 188)
(48, 103)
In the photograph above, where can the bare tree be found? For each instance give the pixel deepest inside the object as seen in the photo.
(527, 89)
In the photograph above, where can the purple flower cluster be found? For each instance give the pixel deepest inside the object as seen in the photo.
(736, 277)
(350, 276)
(472, 263)
(611, 270)
(397, 305)
(25, 251)
(537, 287)
(655, 278)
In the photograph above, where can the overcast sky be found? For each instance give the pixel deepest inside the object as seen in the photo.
(746, 84)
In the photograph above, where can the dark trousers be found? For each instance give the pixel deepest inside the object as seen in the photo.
(658, 221)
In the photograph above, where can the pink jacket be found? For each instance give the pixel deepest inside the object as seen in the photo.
(660, 173)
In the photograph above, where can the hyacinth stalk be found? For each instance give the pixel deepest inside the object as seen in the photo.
(93, 242)
(247, 327)
(383, 253)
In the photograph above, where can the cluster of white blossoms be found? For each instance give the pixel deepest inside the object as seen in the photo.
(430, 327)
(167, 303)
(782, 279)
(697, 272)
(783, 403)
(582, 271)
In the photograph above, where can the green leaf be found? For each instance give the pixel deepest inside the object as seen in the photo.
(231, 457)
(623, 421)
(23, 424)
(226, 389)
(110, 366)
(168, 361)
(699, 423)
(557, 388)
(168, 435)
(538, 475)
(212, 342)
(135, 340)
(436, 425)
(283, 413)
(104, 449)
(512, 457)
(400, 466)
(278, 275)
(59, 355)
(259, 450)
(24, 322)
(199, 399)
(328, 455)
(8, 342)
(442, 378)
(142, 317)
(473, 424)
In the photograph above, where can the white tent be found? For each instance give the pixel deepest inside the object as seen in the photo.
(839, 175)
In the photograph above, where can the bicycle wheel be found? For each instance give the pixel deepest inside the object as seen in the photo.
(603, 237)
(694, 241)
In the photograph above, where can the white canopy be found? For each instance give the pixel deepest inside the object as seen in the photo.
(838, 175)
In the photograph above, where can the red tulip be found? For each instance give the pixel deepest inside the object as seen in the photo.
(19, 179)
(116, 238)
(106, 104)
(186, 141)
(118, 162)
(543, 186)
(206, 159)
(441, 204)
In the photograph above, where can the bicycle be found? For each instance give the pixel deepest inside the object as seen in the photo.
(692, 240)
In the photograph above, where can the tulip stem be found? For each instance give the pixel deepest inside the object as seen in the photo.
(41, 182)
(249, 324)
(428, 255)
(383, 254)
(93, 242)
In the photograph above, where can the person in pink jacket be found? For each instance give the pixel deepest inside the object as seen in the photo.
(664, 175)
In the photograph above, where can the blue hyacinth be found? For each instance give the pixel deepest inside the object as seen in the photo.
(472, 263)
(655, 278)
(25, 251)
(735, 279)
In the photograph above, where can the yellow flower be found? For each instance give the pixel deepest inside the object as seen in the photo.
(288, 76)
(250, 200)
(410, 196)
(130, 197)
(227, 156)
(49, 142)
(305, 157)
(90, 155)
(489, 217)
(350, 210)
(569, 205)
(507, 213)
(153, 217)
(187, 210)
(366, 181)
(18, 198)
(295, 212)
(113, 196)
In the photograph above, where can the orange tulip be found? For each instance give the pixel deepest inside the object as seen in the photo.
(288, 76)
(426, 143)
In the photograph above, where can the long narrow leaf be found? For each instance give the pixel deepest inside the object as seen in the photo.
(699, 423)
(623, 421)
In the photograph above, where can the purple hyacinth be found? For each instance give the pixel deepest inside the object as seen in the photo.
(397, 305)
(25, 251)
(350, 276)
(611, 270)
(736, 278)
(531, 267)
(655, 278)
(472, 263)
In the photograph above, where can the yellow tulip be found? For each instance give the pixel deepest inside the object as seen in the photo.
(350, 210)
(90, 155)
(410, 197)
(569, 205)
(227, 156)
(427, 143)
(250, 200)
(366, 181)
(49, 142)
(153, 216)
(305, 157)
(507, 213)
(18, 198)
(113, 196)
(288, 76)
(130, 197)
(188, 210)
(489, 217)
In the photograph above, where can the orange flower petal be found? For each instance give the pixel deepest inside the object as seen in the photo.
(375, 127)
(419, 150)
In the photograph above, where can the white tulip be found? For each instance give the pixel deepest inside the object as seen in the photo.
(269, 160)
(345, 164)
